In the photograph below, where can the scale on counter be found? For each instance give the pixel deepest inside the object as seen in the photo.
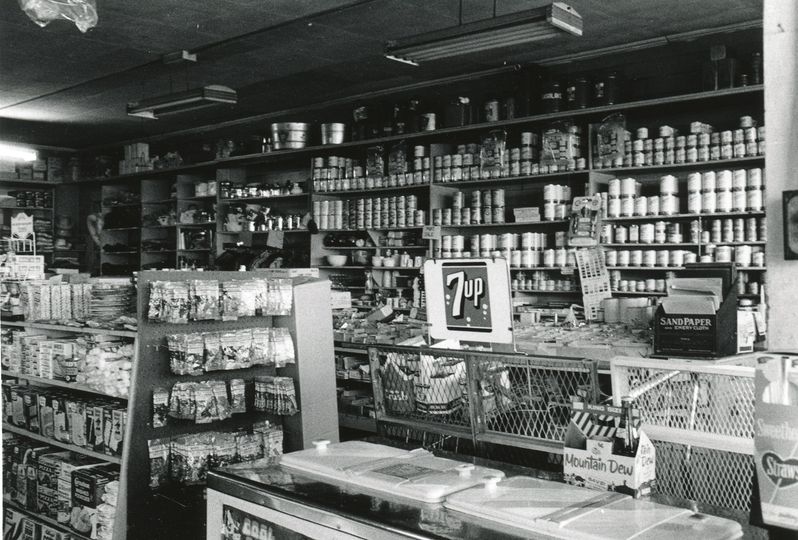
(412, 474)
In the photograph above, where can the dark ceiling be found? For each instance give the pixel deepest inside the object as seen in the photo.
(62, 88)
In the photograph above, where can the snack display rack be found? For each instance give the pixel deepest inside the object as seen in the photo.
(312, 373)
(515, 400)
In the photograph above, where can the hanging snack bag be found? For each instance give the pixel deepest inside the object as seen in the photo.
(236, 348)
(261, 393)
(230, 300)
(176, 302)
(281, 296)
(261, 297)
(249, 447)
(214, 355)
(160, 407)
(224, 449)
(238, 396)
(159, 462)
(155, 306)
(259, 354)
(219, 390)
(204, 404)
(281, 347)
(204, 300)
(248, 295)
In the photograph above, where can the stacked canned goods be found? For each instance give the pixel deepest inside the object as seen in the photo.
(486, 207)
(648, 258)
(398, 211)
(702, 144)
(636, 285)
(734, 230)
(522, 250)
(334, 173)
(539, 281)
(556, 200)
(725, 191)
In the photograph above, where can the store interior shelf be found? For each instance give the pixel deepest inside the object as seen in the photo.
(61, 384)
(507, 224)
(545, 268)
(647, 268)
(597, 112)
(351, 350)
(32, 208)
(528, 179)
(66, 328)
(327, 267)
(63, 527)
(373, 229)
(396, 248)
(539, 291)
(190, 225)
(266, 198)
(686, 216)
(638, 244)
(372, 190)
(639, 293)
(678, 166)
(66, 446)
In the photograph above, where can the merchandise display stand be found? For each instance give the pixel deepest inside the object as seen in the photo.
(312, 373)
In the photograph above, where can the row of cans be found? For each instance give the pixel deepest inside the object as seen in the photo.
(371, 182)
(697, 203)
(538, 281)
(468, 215)
(680, 156)
(718, 230)
(490, 242)
(744, 255)
(547, 258)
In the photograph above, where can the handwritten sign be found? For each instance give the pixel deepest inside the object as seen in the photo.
(431, 232)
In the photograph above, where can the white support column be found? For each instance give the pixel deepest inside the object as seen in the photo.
(781, 165)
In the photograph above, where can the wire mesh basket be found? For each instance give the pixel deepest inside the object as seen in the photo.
(594, 280)
(700, 417)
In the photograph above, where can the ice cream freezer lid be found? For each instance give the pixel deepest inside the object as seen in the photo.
(412, 474)
(565, 511)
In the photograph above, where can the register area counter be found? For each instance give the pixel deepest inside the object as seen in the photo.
(358, 490)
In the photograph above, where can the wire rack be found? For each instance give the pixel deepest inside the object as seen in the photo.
(511, 399)
(594, 279)
(700, 417)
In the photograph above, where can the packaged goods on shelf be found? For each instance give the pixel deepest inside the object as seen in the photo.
(703, 143)
(89, 489)
(201, 402)
(193, 354)
(275, 395)
(177, 302)
(185, 460)
(397, 211)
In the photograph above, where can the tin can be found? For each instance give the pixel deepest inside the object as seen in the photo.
(611, 258)
(723, 202)
(623, 257)
(754, 178)
(754, 200)
(708, 202)
(650, 258)
(634, 234)
(487, 214)
(621, 234)
(636, 257)
(653, 203)
(694, 200)
(647, 233)
(663, 258)
(641, 206)
(669, 205)
(627, 206)
(758, 258)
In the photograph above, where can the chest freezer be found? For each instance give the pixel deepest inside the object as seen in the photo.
(573, 513)
(417, 475)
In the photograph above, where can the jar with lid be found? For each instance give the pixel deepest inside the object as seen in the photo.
(551, 97)
(576, 93)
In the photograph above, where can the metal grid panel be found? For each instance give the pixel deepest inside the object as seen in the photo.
(707, 476)
(531, 397)
(427, 388)
(699, 401)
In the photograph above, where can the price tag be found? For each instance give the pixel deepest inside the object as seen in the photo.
(275, 239)
(431, 232)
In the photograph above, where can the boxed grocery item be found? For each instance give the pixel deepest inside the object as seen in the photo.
(64, 361)
(68, 466)
(98, 419)
(17, 406)
(76, 410)
(46, 419)
(49, 533)
(605, 450)
(88, 486)
(18, 526)
(48, 469)
(116, 433)
(61, 419)
(776, 439)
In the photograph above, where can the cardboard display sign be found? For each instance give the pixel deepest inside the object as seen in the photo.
(469, 299)
(592, 456)
(776, 439)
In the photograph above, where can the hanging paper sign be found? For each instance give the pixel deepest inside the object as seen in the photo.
(340, 299)
(469, 299)
(22, 225)
(275, 239)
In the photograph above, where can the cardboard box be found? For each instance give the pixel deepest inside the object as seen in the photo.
(590, 459)
(76, 409)
(68, 466)
(776, 440)
(30, 407)
(526, 214)
(61, 420)
(18, 526)
(99, 428)
(46, 419)
(49, 533)
(88, 486)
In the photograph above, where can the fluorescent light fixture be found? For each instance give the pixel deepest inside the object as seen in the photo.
(519, 28)
(10, 152)
(178, 102)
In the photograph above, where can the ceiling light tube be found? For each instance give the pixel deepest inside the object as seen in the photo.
(10, 152)
(508, 30)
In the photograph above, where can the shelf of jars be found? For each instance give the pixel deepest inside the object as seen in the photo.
(595, 112)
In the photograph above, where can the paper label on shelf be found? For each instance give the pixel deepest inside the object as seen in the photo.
(275, 239)
(431, 232)
(340, 299)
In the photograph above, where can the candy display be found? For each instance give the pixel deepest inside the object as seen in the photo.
(275, 395)
(177, 302)
(193, 354)
(185, 460)
(201, 402)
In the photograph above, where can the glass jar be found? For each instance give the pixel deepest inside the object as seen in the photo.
(551, 98)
